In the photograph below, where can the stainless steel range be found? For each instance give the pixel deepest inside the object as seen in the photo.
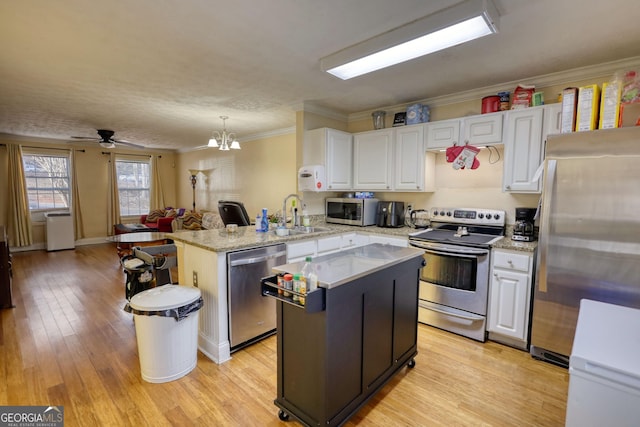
(454, 283)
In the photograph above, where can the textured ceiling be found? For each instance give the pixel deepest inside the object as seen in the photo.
(160, 73)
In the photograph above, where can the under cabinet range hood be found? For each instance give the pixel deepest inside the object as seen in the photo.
(311, 178)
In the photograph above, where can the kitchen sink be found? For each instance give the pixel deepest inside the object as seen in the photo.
(306, 230)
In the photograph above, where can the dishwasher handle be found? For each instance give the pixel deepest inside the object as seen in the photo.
(256, 260)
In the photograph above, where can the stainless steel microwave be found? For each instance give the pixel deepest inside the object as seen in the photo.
(350, 211)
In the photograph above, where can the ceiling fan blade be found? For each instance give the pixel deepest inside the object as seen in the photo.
(130, 144)
(106, 138)
(85, 138)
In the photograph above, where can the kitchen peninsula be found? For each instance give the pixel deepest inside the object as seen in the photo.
(202, 262)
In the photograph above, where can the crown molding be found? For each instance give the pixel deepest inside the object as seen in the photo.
(552, 79)
(310, 107)
(268, 134)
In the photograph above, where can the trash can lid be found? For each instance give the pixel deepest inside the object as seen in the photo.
(164, 297)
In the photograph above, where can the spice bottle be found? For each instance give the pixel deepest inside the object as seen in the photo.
(280, 283)
(288, 284)
(297, 278)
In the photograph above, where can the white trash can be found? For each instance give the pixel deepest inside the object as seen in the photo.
(166, 319)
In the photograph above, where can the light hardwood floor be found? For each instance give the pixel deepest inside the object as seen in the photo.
(68, 342)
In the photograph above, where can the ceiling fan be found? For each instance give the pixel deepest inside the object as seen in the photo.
(106, 139)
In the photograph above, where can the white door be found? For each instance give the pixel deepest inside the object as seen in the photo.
(523, 150)
(339, 160)
(409, 159)
(443, 134)
(373, 160)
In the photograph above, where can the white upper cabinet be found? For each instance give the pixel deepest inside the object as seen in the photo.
(552, 120)
(443, 134)
(523, 150)
(409, 170)
(525, 136)
(333, 149)
(373, 160)
(393, 160)
(484, 129)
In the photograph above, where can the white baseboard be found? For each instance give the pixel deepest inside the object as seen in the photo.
(43, 246)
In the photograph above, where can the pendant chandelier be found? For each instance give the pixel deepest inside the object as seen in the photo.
(224, 140)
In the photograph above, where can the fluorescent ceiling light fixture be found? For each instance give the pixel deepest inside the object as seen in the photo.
(459, 24)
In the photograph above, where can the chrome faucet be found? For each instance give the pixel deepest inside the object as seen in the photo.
(294, 219)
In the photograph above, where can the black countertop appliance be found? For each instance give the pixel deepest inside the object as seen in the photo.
(390, 214)
(523, 229)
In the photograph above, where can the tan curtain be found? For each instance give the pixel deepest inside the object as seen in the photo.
(113, 215)
(19, 215)
(75, 198)
(156, 199)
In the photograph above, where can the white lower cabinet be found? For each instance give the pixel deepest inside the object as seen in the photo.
(353, 240)
(387, 240)
(329, 245)
(510, 297)
(298, 251)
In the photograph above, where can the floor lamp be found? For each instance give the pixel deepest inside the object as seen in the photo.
(193, 173)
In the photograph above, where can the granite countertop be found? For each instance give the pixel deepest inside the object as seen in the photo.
(336, 269)
(514, 245)
(219, 240)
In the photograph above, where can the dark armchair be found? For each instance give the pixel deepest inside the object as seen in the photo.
(233, 213)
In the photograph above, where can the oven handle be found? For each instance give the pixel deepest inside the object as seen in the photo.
(448, 313)
(470, 253)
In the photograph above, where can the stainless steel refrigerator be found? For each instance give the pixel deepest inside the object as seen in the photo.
(589, 237)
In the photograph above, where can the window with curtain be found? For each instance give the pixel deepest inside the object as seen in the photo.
(134, 181)
(48, 181)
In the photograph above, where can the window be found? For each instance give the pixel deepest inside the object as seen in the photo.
(133, 186)
(48, 181)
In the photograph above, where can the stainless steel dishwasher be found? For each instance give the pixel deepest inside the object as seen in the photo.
(252, 317)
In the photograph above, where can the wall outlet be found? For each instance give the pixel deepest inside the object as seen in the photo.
(195, 279)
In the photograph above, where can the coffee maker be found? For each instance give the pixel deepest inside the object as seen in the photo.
(523, 229)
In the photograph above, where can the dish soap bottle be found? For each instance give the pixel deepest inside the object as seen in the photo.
(265, 220)
(306, 222)
(258, 222)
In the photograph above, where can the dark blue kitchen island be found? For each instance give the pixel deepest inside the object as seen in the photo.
(356, 331)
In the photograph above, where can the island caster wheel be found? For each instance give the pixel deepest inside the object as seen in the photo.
(283, 415)
(412, 363)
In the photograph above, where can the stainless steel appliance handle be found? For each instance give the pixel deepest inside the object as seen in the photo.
(545, 225)
(255, 260)
(448, 313)
(463, 253)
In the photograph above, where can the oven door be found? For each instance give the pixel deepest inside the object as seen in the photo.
(455, 276)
